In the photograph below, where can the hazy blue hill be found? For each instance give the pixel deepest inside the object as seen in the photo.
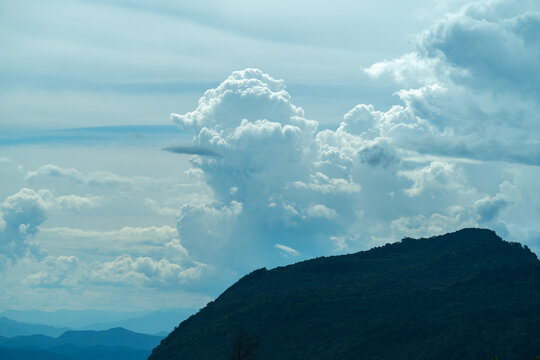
(10, 328)
(112, 344)
(111, 337)
(28, 342)
(464, 295)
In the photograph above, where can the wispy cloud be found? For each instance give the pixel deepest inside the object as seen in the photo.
(190, 150)
(287, 251)
(96, 178)
(125, 135)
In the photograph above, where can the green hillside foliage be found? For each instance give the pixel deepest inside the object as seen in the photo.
(464, 295)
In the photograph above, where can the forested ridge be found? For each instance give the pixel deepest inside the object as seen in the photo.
(463, 295)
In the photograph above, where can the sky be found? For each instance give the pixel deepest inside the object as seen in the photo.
(152, 153)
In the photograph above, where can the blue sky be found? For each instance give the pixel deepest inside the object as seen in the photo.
(294, 129)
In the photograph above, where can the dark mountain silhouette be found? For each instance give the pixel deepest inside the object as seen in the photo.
(10, 327)
(464, 295)
(113, 344)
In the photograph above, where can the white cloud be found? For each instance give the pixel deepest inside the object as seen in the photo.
(23, 213)
(321, 183)
(340, 243)
(144, 271)
(124, 270)
(127, 234)
(157, 208)
(96, 178)
(152, 241)
(489, 208)
(408, 67)
(472, 84)
(59, 271)
(286, 250)
(437, 176)
(321, 211)
(451, 219)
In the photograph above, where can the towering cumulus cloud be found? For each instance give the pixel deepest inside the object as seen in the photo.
(268, 179)
(459, 150)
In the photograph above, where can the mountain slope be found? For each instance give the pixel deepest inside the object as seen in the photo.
(10, 328)
(464, 295)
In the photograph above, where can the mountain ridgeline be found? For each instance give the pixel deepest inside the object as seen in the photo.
(112, 344)
(463, 295)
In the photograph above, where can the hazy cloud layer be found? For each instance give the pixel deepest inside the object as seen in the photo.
(96, 178)
(124, 270)
(190, 150)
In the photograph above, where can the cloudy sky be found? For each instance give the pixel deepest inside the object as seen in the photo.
(151, 153)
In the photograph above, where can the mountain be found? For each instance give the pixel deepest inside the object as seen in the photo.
(117, 337)
(112, 344)
(463, 295)
(10, 327)
(111, 337)
(29, 342)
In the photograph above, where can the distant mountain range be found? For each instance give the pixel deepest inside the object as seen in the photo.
(17, 322)
(467, 295)
(10, 327)
(30, 341)
(112, 344)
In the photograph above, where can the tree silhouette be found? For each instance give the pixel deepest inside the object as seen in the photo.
(244, 347)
